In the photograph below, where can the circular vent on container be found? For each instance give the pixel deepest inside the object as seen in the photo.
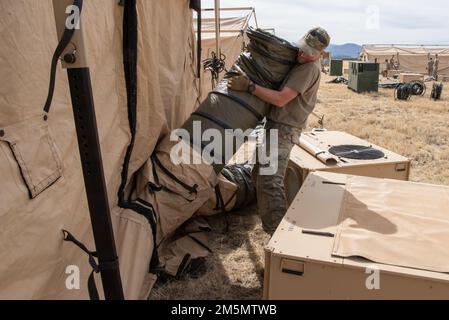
(356, 152)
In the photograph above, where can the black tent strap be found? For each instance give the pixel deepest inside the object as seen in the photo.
(222, 207)
(63, 43)
(145, 209)
(241, 103)
(130, 39)
(96, 267)
(158, 187)
(192, 189)
(130, 36)
(200, 243)
(219, 199)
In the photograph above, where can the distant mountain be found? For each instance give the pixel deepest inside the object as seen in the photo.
(345, 51)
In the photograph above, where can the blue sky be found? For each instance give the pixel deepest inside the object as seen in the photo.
(357, 21)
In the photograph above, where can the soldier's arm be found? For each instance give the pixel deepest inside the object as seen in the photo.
(277, 98)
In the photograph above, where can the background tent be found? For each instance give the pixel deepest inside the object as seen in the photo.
(34, 258)
(232, 40)
(411, 58)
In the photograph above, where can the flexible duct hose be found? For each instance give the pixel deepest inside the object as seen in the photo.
(437, 90)
(403, 91)
(418, 88)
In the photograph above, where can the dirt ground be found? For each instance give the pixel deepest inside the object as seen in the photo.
(418, 129)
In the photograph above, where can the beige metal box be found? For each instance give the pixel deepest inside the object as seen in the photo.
(393, 73)
(302, 162)
(299, 261)
(409, 77)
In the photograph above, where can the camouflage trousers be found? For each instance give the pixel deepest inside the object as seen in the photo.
(271, 198)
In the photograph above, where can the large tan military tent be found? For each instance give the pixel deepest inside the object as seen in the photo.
(231, 40)
(411, 58)
(42, 182)
(90, 187)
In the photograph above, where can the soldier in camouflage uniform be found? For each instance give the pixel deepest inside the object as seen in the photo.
(430, 67)
(436, 65)
(291, 107)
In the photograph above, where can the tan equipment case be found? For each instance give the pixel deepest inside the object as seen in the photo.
(299, 261)
(302, 162)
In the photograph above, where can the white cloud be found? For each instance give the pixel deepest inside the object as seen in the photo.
(400, 22)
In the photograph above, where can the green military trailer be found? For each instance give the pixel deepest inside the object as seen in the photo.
(364, 76)
(336, 67)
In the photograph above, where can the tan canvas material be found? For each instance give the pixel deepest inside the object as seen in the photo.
(410, 59)
(396, 223)
(228, 192)
(34, 258)
(323, 155)
(34, 151)
(189, 243)
(231, 44)
(173, 203)
(175, 206)
(228, 189)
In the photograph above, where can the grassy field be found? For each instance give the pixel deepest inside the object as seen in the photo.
(418, 129)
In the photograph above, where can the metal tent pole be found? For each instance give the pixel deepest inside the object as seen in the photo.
(217, 28)
(196, 5)
(75, 61)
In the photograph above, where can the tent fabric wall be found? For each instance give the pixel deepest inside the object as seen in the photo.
(33, 254)
(410, 59)
(231, 44)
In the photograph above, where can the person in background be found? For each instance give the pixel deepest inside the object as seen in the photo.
(387, 68)
(393, 63)
(436, 65)
(430, 65)
(290, 109)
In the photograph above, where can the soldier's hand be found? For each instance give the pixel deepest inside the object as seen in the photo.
(239, 83)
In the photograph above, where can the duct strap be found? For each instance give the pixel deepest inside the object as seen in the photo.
(96, 267)
(63, 43)
(213, 119)
(240, 102)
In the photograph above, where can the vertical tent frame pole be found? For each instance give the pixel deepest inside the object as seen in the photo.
(217, 28)
(196, 5)
(75, 61)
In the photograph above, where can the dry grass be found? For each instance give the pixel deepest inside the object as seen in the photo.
(418, 129)
(233, 271)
